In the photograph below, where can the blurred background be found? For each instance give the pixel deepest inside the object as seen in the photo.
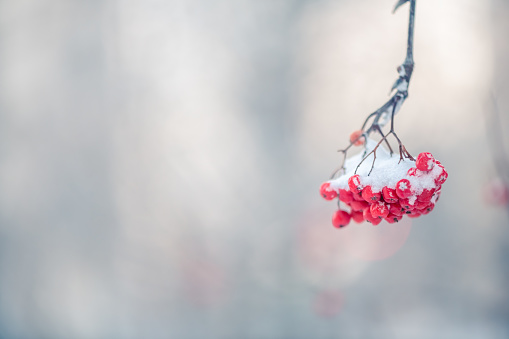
(160, 163)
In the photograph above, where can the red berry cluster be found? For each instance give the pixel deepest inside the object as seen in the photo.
(414, 195)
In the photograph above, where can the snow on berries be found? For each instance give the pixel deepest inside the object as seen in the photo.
(326, 191)
(425, 162)
(403, 189)
(387, 189)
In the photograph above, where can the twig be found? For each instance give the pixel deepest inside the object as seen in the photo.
(393, 105)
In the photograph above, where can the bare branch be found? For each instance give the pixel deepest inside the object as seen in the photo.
(393, 105)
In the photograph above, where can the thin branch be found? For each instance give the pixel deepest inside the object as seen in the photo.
(393, 105)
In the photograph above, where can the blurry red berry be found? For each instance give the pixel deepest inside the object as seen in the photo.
(389, 195)
(355, 183)
(420, 205)
(426, 195)
(414, 172)
(369, 218)
(442, 177)
(396, 209)
(496, 192)
(356, 138)
(327, 192)
(415, 214)
(345, 196)
(368, 195)
(358, 196)
(403, 189)
(393, 218)
(406, 205)
(437, 195)
(359, 205)
(340, 219)
(379, 209)
(358, 216)
(428, 209)
(425, 162)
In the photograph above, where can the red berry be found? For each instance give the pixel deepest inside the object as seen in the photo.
(355, 183)
(340, 219)
(379, 209)
(357, 196)
(442, 177)
(357, 216)
(426, 195)
(392, 218)
(345, 196)
(327, 192)
(359, 205)
(403, 189)
(356, 138)
(369, 218)
(430, 208)
(436, 195)
(368, 195)
(425, 162)
(420, 205)
(406, 205)
(389, 195)
(415, 214)
(396, 209)
(414, 172)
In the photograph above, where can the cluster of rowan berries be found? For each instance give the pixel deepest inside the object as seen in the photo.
(413, 193)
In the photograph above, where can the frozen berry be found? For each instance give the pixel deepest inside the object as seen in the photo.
(414, 214)
(357, 216)
(345, 196)
(340, 219)
(436, 196)
(442, 177)
(358, 196)
(379, 209)
(359, 205)
(356, 138)
(355, 183)
(327, 192)
(392, 218)
(369, 218)
(414, 172)
(425, 162)
(426, 195)
(369, 195)
(420, 205)
(430, 207)
(396, 209)
(389, 195)
(406, 205)
(403, 189)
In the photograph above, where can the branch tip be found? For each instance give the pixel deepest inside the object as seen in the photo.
(400, 3)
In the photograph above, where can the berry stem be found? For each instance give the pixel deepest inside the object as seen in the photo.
(393, 105)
